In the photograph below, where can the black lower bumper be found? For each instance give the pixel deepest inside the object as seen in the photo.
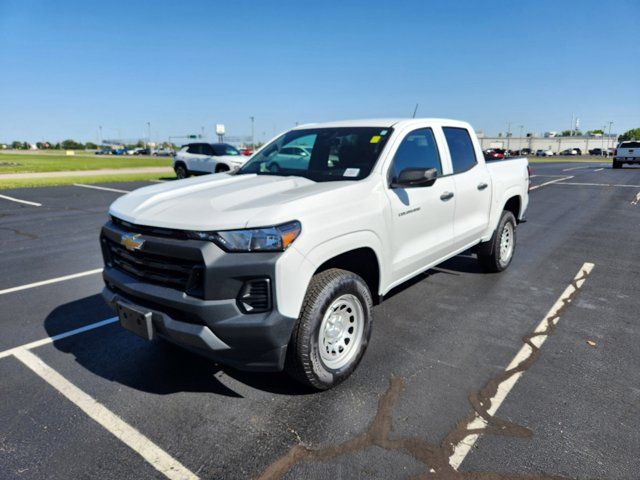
(248, 342)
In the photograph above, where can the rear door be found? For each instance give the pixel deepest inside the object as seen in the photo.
(472, 186)
(208, 159)
(421, 227)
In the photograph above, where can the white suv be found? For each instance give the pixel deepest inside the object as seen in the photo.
(200, 158)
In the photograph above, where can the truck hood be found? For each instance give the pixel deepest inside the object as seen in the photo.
(221, 201)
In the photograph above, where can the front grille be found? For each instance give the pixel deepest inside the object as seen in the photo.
(179, 273)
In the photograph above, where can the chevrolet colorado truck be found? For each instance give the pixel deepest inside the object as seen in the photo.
(277, 265)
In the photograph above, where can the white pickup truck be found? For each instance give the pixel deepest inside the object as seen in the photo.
(277, 265)
(627, 152)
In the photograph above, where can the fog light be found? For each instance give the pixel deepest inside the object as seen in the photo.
(255, 296)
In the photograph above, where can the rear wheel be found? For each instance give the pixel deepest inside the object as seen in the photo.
(221, 167)
(181, 171)
(617, 164)
(332, 333)
(496, 254)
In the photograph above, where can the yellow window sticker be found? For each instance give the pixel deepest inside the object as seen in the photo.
(375, 139)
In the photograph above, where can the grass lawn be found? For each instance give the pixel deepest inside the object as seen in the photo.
(47, 182)
(47, 162)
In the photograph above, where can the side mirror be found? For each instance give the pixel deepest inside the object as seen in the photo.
(415, 177)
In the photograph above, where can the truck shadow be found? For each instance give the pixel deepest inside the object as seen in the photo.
(154, 367)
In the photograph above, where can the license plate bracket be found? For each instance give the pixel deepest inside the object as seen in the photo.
(136, 321)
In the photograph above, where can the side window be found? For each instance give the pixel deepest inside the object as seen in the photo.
(193, 148)
(207, 149)
(417, 150)
(463, 155)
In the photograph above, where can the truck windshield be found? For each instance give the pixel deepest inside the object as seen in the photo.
(321, 154)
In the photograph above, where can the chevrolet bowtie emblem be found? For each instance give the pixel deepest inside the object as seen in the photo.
(131, 241)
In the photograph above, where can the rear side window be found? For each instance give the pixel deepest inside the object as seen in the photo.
(463, 155)
(629, 145)
(194, 148)
(417, 150)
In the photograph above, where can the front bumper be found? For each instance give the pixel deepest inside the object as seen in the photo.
(210, 322)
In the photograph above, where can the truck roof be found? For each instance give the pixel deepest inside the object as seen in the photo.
(380, 122)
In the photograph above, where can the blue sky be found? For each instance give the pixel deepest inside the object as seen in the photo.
(69, 66)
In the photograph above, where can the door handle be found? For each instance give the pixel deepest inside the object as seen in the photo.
(482, 186)
(446, 196)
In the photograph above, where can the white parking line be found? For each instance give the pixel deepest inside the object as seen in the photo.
(95, 187)
(60, 336)
(636, 200)
(598, 184)
(598, 169)
(551, 181)
(6, 197)
(50, 281)
(462, 448)
(574, 168)
(139, 443)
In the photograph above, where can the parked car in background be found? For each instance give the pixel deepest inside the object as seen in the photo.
(627, 152)
(291, 158)
(569, 152)
(544, 153)
(525, 151)
(119, 151)
(162, 152)
(494, 154)
(202, 158)
(598, 152)
(142, 151)
(247, 152)
(270, 271)
(104, 151)
(137, 151)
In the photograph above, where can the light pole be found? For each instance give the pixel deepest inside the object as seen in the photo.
(100, 135)
(508, 134)
(520, 141)
(609, 139)
(148, 133)
(253, 140)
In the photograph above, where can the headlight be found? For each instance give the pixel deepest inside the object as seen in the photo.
(267, 239)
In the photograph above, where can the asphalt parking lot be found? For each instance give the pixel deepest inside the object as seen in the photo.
(82, 398)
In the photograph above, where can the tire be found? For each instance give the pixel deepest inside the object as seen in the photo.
(221, 167)
(181, 171)
(325, 349)
(496, 254)
(617, 164)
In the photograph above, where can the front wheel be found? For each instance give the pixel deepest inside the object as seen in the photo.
(181, 171)
(496, 254)
(333, 331)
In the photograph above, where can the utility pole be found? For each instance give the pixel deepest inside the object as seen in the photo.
(610, 123)
(100, 135)
(508, 134)
(148, 133)
(604, 129)
(253, 138)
